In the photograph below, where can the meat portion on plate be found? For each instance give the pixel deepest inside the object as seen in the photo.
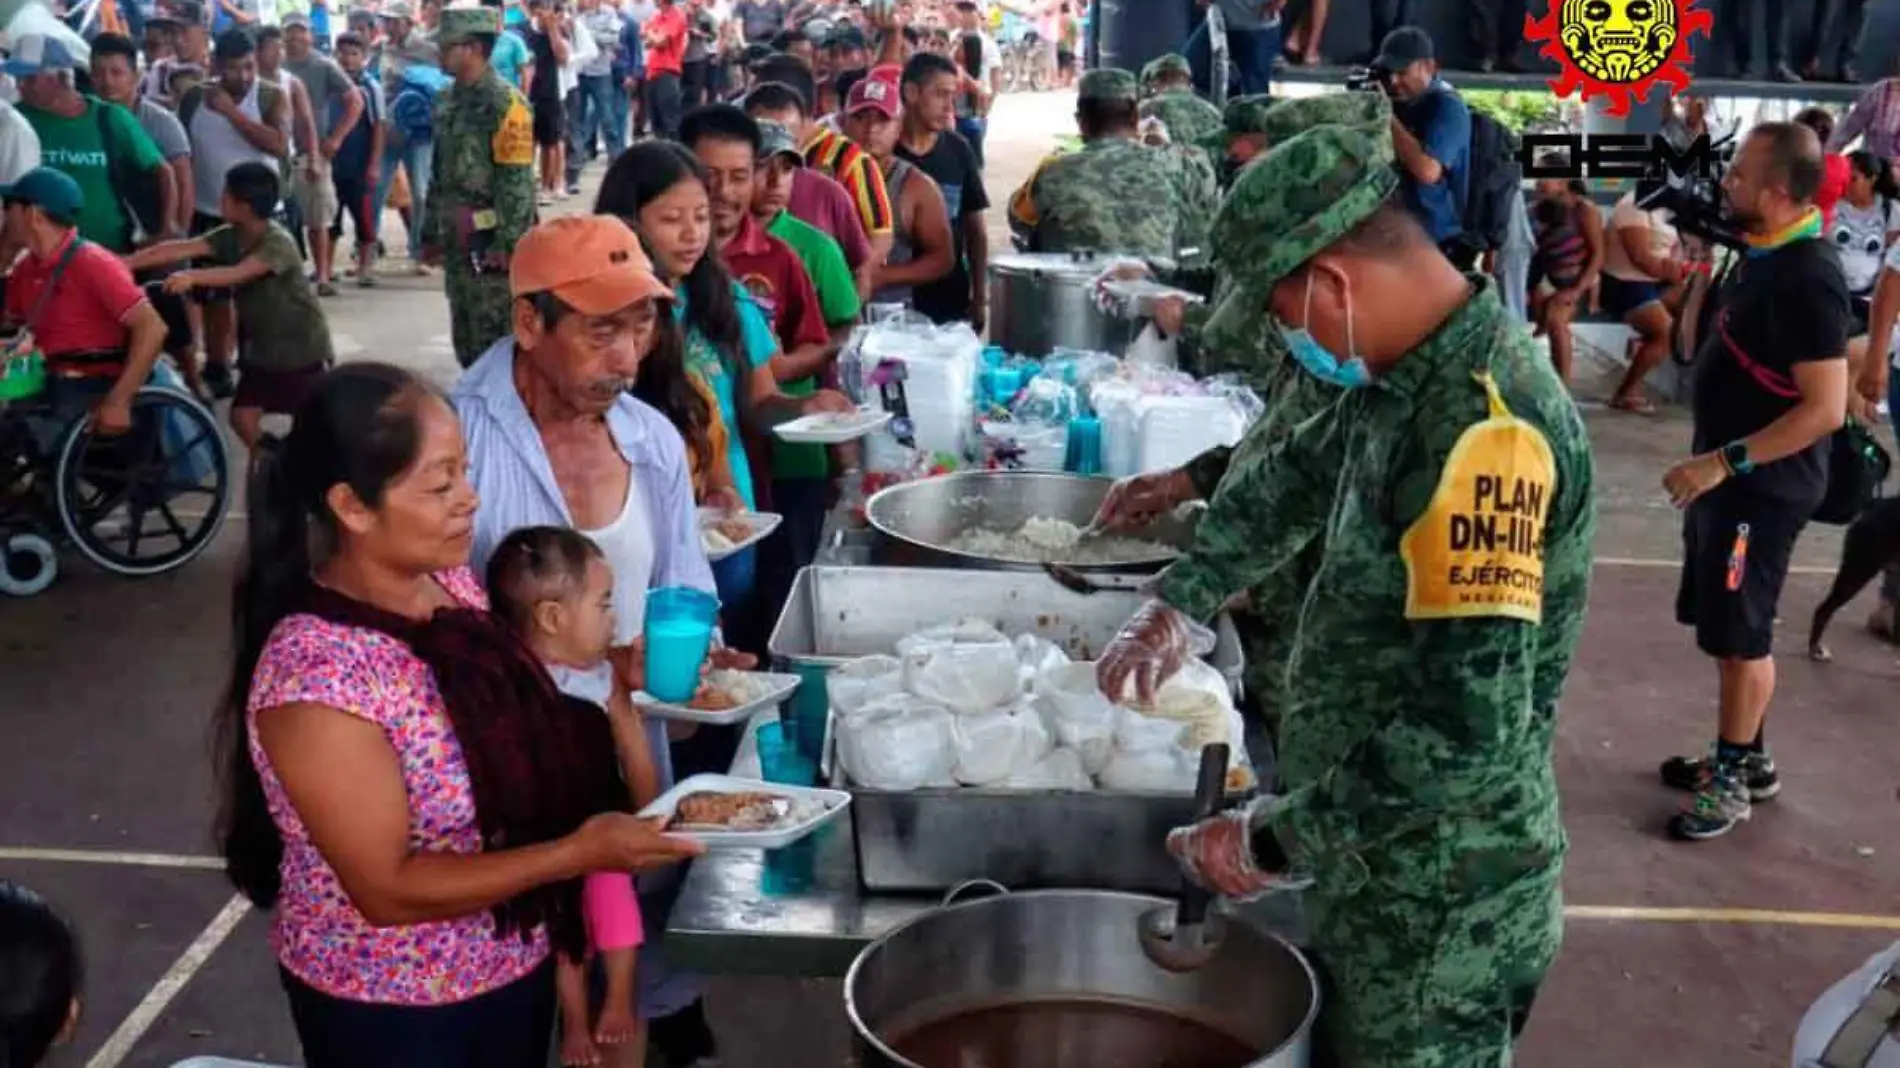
(750, 810)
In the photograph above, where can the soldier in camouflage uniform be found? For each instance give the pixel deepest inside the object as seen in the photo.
(1260, 359)
(1115, 194)
(1450, 486)
(1167, 86)
(481, 198)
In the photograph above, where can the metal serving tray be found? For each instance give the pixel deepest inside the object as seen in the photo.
(927, 841)
(835, 614)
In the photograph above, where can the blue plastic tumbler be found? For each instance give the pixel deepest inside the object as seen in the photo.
(1085, 446)
(779, 758)
(679, 630)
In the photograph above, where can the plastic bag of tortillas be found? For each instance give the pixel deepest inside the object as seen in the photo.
(964, 677)
(961, 632)
(1198, 698)
(898, 743)
(856, 683)
(991, 746)
(1037, 655)
(1149, 757)
(1060, 770)
(1080, 717)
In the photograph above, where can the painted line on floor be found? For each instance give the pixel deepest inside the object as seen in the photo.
(1761, 917)
(160, 996)
(1676, 564)
(125, 860)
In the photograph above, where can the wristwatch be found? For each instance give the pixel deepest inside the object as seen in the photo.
(1735, 458)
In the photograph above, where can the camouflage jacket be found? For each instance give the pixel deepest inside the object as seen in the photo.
(482, 186)
(1115, 195)
(1421, 690)
(1190, 120)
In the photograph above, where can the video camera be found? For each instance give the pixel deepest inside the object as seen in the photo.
(1369, 79)
(1694, 202)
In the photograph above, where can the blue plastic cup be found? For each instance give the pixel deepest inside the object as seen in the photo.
(1085, 445)
(679, 630)
(780, 760)
(809, 711)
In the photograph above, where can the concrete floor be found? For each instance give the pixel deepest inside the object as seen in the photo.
(105, 686)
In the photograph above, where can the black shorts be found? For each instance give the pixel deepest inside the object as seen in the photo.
(1736, 547)
(1065, 59)
(550, 123)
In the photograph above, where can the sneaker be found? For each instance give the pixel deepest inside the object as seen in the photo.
(1758, 774)
(1719, 804)
(217, 379)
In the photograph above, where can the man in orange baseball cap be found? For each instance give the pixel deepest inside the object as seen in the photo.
(557, 436)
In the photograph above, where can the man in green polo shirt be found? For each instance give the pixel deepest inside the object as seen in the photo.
(800, 473)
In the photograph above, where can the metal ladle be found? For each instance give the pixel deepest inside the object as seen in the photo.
(1184, 936)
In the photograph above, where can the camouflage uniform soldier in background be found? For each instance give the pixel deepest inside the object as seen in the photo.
(1114, 194)
(1450, 490)
(481, 199)
(1235, 345)
(1167, 88)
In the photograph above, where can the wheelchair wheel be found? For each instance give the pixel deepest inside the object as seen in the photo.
(150, 499)
(30, 564)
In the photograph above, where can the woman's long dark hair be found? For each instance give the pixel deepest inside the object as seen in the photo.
(358, 428)
(40, 974)
(636, 179)
(1868, 165)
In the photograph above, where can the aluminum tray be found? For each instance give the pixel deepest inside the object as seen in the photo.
(927, 841)
(835, 614)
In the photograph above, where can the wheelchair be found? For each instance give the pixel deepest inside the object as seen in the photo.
(140, 503)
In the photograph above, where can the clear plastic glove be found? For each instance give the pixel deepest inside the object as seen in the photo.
(1120, 268)
(1139, 500)
(1151, 646)
(1154, 132)
(1217, 853)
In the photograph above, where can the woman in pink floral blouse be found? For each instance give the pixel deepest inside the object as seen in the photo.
(403, 785)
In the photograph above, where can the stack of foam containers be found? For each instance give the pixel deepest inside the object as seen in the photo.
(1144, 432)
(940, 367)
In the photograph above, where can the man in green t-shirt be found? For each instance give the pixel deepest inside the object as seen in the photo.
(101, 146)
(801, 473)
(824, 261)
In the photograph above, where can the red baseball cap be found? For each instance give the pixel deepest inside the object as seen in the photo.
(873, 91)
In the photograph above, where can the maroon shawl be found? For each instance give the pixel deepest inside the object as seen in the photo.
(539, 763)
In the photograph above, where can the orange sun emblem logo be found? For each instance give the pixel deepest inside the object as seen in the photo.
(1618, 49)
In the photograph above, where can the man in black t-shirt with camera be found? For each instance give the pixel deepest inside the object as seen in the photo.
(1771, 387)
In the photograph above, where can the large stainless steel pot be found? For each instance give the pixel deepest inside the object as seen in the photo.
(915, 522)
(1041, 301)
(1068, 945)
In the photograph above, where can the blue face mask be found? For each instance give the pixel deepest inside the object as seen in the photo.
(1318, 360)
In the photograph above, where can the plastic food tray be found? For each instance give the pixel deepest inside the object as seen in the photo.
(780, 688)
(832, 428)
(835, 802)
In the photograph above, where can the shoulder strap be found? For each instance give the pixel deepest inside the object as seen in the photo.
(52, 282)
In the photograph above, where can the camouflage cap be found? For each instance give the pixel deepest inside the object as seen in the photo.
(1161, 67)
(1107, 84)
(1289, 118)
(1297, 199)
(1246, 114)
(458, 24)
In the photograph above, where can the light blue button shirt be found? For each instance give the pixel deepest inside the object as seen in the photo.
(509, 468)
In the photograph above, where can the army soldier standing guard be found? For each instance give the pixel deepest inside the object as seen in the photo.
(481, 198)
(1449, 492)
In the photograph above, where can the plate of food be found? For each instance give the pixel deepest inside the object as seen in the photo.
(832, 428)
(727, 697)
(726, 812)
(725, 533)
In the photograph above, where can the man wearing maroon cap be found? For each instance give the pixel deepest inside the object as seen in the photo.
(922, 249)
